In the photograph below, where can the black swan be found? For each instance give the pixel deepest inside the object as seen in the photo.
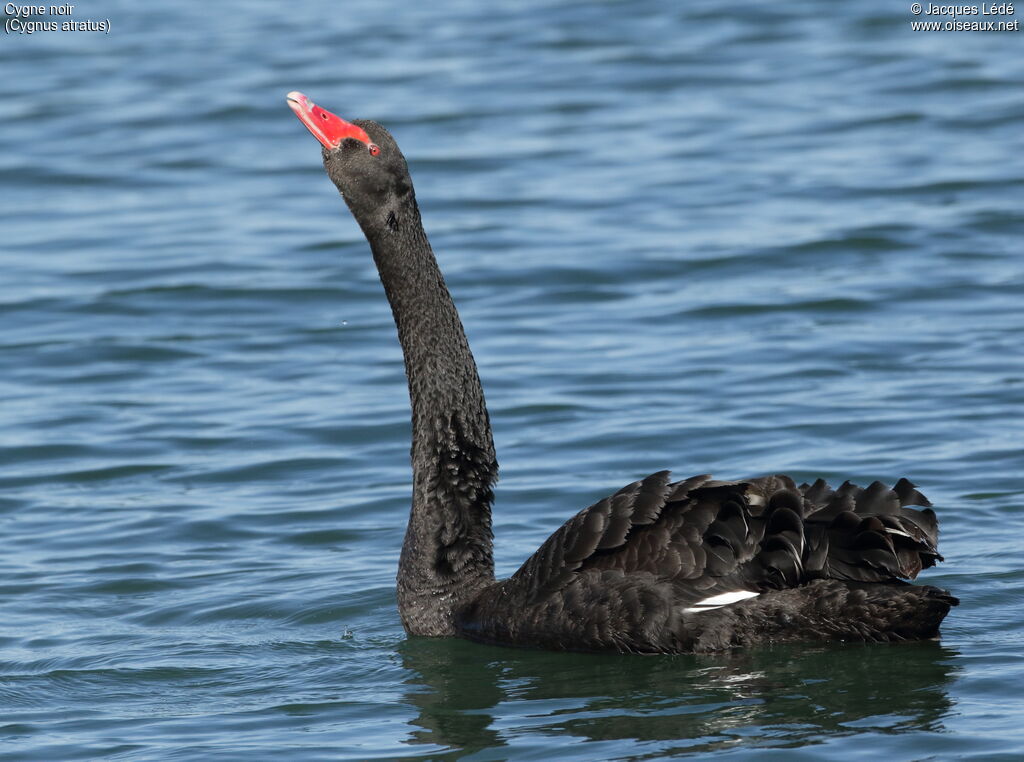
(661, 566)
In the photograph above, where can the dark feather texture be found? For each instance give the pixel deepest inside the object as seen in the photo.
(622, 573)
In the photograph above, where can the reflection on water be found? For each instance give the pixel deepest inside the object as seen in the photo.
(779, 697)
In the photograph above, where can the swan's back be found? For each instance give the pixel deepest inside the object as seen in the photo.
(701, 565)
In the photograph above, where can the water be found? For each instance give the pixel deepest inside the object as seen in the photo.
(711, 238)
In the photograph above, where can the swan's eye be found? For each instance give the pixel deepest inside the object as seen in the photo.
(374, 149)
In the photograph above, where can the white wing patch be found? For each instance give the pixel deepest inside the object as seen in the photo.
(722, 599)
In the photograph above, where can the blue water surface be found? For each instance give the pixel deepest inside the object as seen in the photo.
(738, 239)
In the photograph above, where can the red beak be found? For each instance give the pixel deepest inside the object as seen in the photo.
(326, 127)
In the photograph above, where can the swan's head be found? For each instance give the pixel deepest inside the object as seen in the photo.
(361, 158)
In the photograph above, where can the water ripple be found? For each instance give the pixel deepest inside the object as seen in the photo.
(695, 237)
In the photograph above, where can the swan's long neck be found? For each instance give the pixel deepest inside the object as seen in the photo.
(448, 544)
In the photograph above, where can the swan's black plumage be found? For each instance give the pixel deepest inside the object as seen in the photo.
(826, 565)
(661, 566)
